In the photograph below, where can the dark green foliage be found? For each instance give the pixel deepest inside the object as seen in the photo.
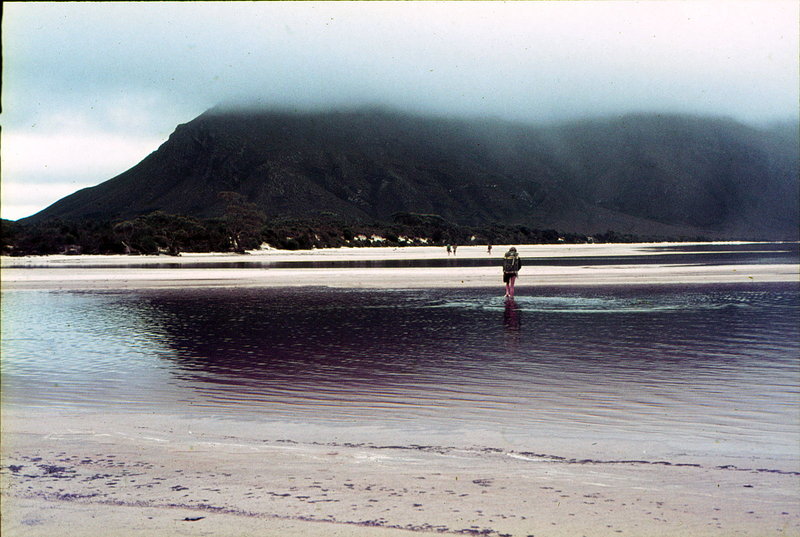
(161, 233)
(243, 222)
(8, 236)
(61, 237)
(415, 219)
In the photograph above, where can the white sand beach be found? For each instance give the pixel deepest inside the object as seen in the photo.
(117, 272)
(83, 473)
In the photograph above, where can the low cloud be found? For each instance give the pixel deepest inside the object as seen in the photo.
(137, 69)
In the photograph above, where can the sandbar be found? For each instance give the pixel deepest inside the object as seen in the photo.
(122, 272)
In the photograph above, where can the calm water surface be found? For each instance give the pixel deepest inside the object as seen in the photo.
(695, 370)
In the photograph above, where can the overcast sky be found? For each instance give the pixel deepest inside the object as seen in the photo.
(89, 89)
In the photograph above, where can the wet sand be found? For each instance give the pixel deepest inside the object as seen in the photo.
(88, 474)
(50, 271)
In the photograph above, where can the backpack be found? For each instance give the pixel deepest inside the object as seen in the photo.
(511, 263)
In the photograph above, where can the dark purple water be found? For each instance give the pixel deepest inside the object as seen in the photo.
(710, 370)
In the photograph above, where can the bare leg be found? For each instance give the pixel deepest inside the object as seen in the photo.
(510, 287)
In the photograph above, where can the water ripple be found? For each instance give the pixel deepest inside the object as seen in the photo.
(710, 366)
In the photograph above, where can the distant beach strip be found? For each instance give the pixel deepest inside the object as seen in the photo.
(416, 267)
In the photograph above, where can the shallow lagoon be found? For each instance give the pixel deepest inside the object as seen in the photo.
(670, 372)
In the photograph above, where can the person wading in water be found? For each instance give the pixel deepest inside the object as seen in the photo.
(511, 266)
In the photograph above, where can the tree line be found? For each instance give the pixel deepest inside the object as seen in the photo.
(243, 227)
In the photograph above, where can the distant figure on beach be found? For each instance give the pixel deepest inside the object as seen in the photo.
(511, 266)
(454, 249)
(448, 249)
(489, 249)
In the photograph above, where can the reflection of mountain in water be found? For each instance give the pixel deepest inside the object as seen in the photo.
(304, 336)
(712, 365)
(291, 339)
(615, 359)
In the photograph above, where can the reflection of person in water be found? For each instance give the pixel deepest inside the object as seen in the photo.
(511, 315)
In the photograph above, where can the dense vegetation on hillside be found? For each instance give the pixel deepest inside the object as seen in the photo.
(243, 228)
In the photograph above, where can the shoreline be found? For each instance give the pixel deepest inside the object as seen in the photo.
(110, 272)
(165, 475)
(376, 253)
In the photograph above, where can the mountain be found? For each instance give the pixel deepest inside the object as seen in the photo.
(641, 174)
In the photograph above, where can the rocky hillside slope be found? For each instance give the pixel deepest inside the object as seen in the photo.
(643, 174)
